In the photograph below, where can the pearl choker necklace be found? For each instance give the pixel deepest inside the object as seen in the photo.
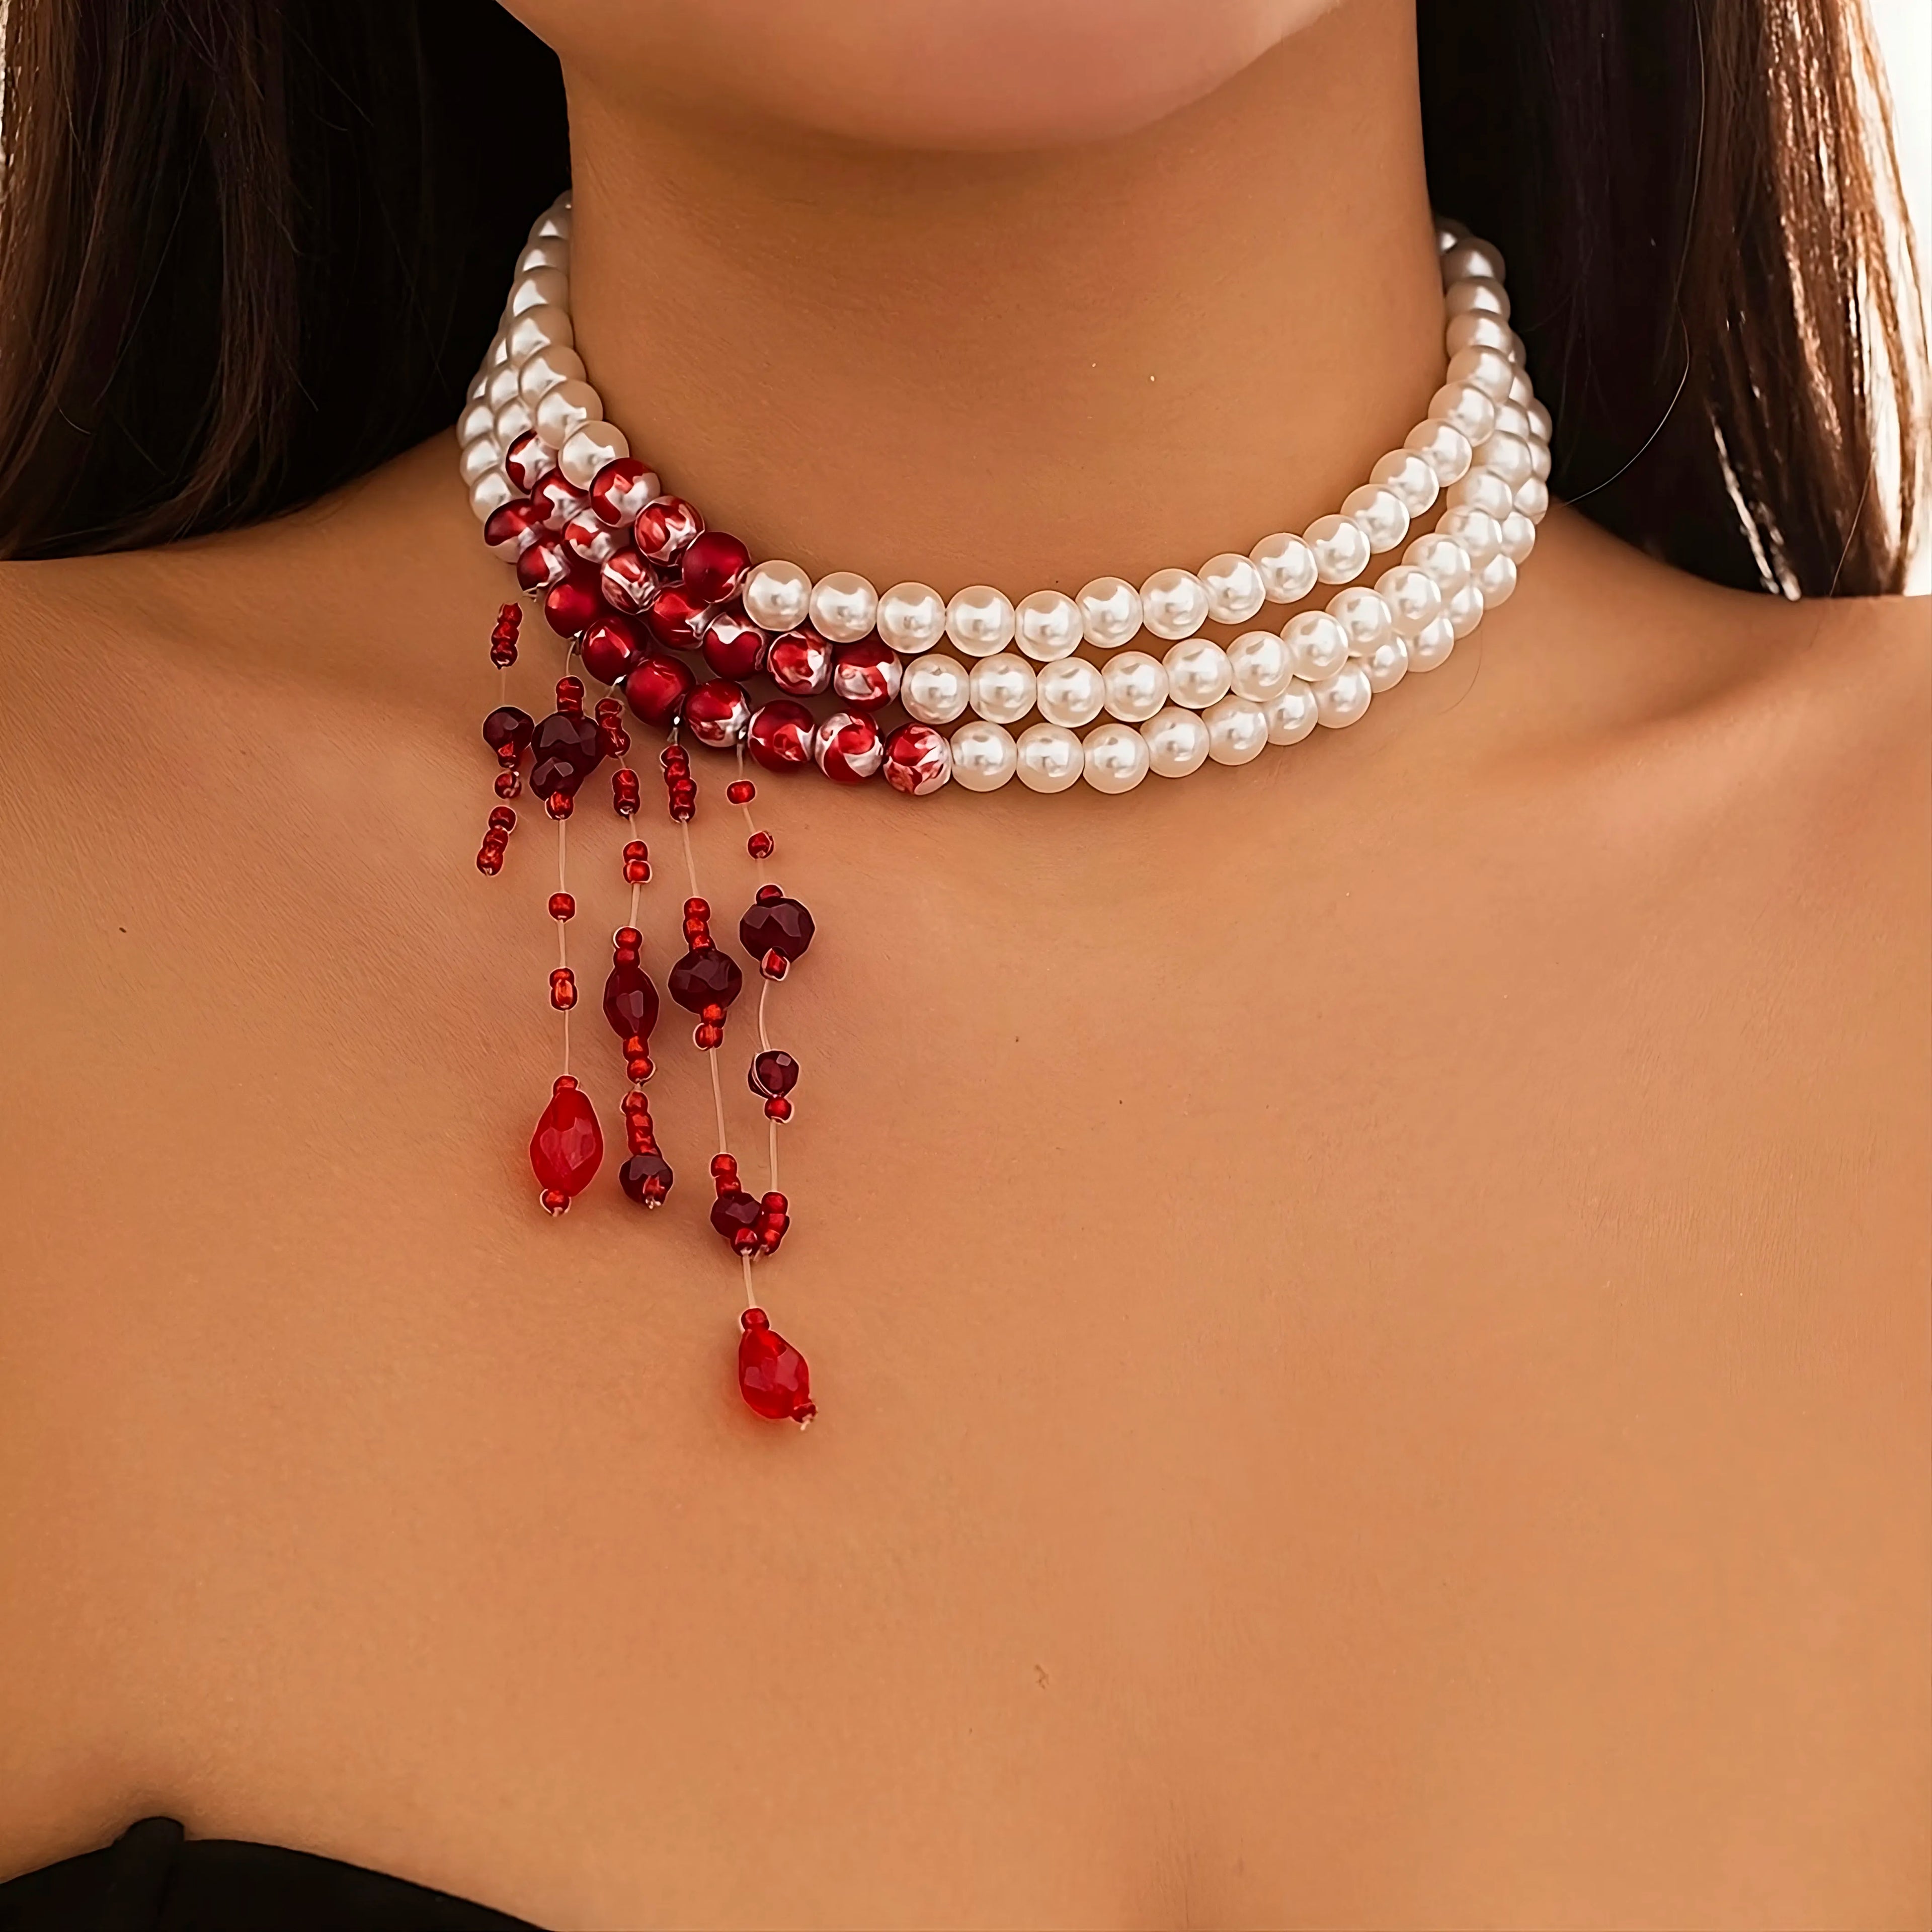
(636, 584)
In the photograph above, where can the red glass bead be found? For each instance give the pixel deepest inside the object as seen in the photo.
(866, 674)
(718, 713)
(627, 939)
(502, 653)
(489, 860)
(735, 1215)
(567, 1144)
(563, 989)
(554, 1200)
(571, 606)
(507, 732)
(665, 528)
(509, 784)
(657, 689)
(778, 736)
(713, 566)
(774, 966)
(847, 748)
(741, 791)
(564, 751)
(611, 648)
(773, 1222)
(627, 582)
(560, 804)
(558, 499)
(528, 460)
(637, 1067)
(733, 645)
(705, 977)
(570, 696)
(779, 924)
(800, 662)
(676, 618)
(777, 1107)
(543, 563)
(612, 738)
(918, 760)
(645, 1178)
(773, 1074)
(622, 488)
(624, 792)
(773, 1375)
(503, 819)
(512, 527)
(637, 864)
(761, 845)
(563, 906)
(630, 1002)
(724, 1167)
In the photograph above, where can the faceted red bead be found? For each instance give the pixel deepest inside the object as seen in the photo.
(627, 582)
(564, 751)
(800, 662)
(733, 1211)
(773, 1074)
(512, 527)
(773, 1375)
(558, 498)
(528, 460)
(713, 566)
(567, 1144)
(778, 736)
(630, 1002)
(866, 674)
(664, 527)
(591, 540)
(848, 747)
(718, 713)
(657, 689)
(622, 488)
(508, 730)
(646, 1178)
(705, 977)
(918, 760)
(733, 645)
(676, 618)
(611, 648)
(780, 925)
(571, 605)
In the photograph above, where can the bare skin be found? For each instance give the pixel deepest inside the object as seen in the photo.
(1370, 1309)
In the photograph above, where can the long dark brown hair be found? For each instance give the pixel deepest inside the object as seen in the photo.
(250, 248)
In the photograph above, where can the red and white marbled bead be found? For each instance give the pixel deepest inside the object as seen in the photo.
(866, 675)
(628, 583)
(717, 713)
(800, 664)
(918, 760)
(848, 747)
(621, 489)
(780, 736)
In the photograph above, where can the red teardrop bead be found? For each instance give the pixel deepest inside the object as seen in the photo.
(773, 1375)
(568, 1144)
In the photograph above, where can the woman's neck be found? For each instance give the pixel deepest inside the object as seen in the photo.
(1026, 369)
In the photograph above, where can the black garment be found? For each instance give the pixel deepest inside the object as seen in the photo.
(154, 1878)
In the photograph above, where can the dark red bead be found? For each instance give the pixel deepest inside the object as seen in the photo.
(676, 618)
(705, 977)
(560, 804)
(866, 674)
(563, 989)
(761, 845)
(509, 730)
(512, 527)
(713, 566)
(730, 1212)
(571, 606)
(528, 460)
(568, 1143)
(741, 791)
(637, 864)
(773, 1375)
(611, 648)
(543, 563)
(564, 751)
(800, 662)
(489, 860)
(733, 645)
(622, 488)
(718, 714)
(627, 582)
(630, 1002)
(780, 925)
(509, 784)
(563, 906)
(503, 819)
(657, 689)
(778, 736)
(624, 792)
(773, 1074)
(664, 527)
(645, 1178)
(570, 695)
(778, 1108)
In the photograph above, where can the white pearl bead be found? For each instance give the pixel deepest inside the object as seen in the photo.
(1070, 692)
(912, 618)
(1480, 490)
(1540, 426)
(480, 457)
(1519, 537)
(1287, 566)
(1427, 651)
(1177, 742)
(544, 327)
(563, 410)
(1496, 580)
(1342, 699)
(845, 606)
(1484, 369)
(1387, 664)
(1136, 685)
(1174, 603)
(512, 420)
(979, 620)
(1463, 608)
(984, 756)
(1110, 612)
(1001, 689)
(546, 251)
(1341, 548)
(504, 385)
(1506, 457)
(933, 689)
(1520, 393)
(591, 445)
(1236, 731)
(1467, 408)
(1473, 329)
(1364, 618)
(542, 372)
(1290, 716)
(1479, 294)
(1414, 597)
(537, 288)
(1449, 231)
(1235, 591)
(1532, 499)
(1198, 672)
(1381, 512)
(1047, 625)
(1512, 419)
(498, 354)
(489, 493)
(1411, 477)
(1050, 758)
(1471, 259)
(1318, 646)
(1443, 447)
(1259, 663)
(554, 221)
(1476, 530)
(1444, 559)
(1539, 460)
(477, 419)
(777, 594)
(1114, 758)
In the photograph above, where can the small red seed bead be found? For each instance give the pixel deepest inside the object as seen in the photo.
(760, 845)
(489, 860)
(503, 819)
(768, 894)
(635, 1103)
(570, 696)
(509, 784)
(563, 906)
(774, 965)
(696, 909)
(629, 938)
(723, 1165)
(639, 1067)
(741, 791)
(712, 1015)
(777, 1107)
(563, 989)
(624, 791)
(502, 653)
(555, 1200)
(745, 1241)
(559, 805)
(510, 617)
(709, 1038)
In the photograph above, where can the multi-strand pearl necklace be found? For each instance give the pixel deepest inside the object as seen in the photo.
(638, 586)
